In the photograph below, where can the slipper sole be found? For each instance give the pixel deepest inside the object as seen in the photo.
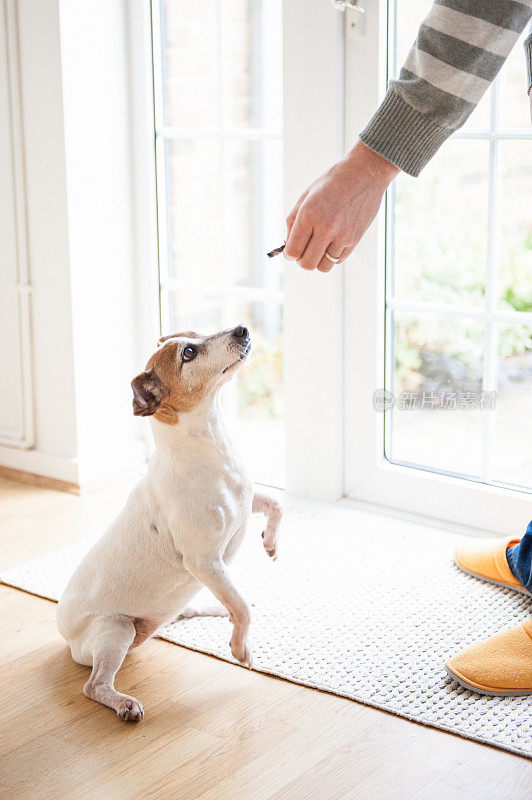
(466, 685)
(520, 589)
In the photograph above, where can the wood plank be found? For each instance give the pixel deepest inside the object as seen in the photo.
(31, 478)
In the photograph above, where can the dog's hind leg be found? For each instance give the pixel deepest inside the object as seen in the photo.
(109, 638)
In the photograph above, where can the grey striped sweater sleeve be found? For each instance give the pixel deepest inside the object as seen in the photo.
(460, 47)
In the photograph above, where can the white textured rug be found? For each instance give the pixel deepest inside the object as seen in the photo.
(327, 615)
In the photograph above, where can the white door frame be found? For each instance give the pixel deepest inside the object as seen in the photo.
(144, 187)
(23, 435)
(369, 477)
(314, 325)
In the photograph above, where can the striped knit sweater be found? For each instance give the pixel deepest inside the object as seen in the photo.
(460, 47)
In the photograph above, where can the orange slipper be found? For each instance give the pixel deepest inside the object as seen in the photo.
(486, 559)
(500, 666)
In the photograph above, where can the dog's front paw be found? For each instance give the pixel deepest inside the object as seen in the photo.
(129, 709)
(269, 540)
(241, 650)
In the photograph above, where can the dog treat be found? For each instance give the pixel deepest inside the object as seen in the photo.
(275, 252)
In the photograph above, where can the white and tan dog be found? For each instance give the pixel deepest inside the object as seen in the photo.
(181, 525)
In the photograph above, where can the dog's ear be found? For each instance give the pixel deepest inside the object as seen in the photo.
(147, 394)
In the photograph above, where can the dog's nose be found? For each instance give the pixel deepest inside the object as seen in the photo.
(241, 333)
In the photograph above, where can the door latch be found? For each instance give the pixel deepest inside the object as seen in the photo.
(352, 5)
(354, 14)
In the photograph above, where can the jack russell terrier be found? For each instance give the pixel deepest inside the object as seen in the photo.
(181, 526)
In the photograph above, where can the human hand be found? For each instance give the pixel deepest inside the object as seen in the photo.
(337, 209)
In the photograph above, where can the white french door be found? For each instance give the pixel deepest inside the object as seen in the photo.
(438, 306)
(234, 123)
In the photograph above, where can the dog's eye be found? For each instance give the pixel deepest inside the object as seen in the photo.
(189, 353)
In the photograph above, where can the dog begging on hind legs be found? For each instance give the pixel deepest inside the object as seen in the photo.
(180, 527)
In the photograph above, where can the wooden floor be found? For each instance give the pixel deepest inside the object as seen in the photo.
(212, 730)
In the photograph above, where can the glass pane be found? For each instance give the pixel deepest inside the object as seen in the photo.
(513, 452)
(252, 63)
(194, 210)
(436, 420)
(259, 402)
(244, 201)
(514, 108)
(480, 117)
(222, 59)
(254, 204)
(409, 14)
(190, 39)
(195, 311)
(515, 225)
(440, 227)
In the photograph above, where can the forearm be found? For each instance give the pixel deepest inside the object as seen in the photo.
(460, 48)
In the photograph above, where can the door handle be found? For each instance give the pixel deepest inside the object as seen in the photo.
(352, 5)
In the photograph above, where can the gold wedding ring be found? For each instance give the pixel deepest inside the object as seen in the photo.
(331, 258)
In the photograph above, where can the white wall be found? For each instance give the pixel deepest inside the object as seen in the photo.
(75, 92)
(100, 217)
